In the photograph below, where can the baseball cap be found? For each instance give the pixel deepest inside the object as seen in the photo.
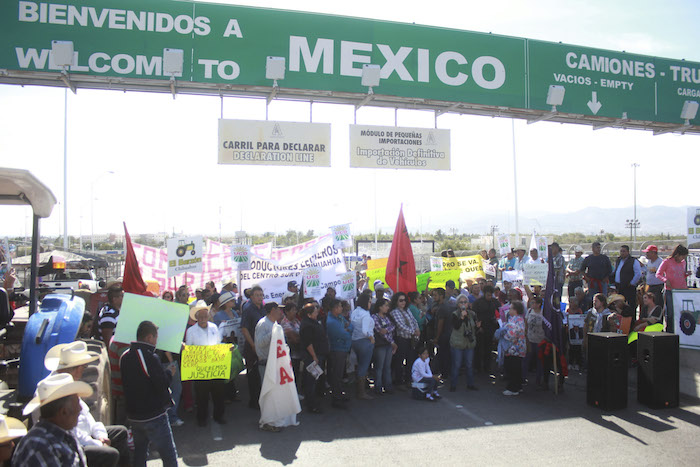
(292, 284)
(651, 248)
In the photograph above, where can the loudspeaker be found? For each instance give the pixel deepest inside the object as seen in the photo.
(606, 385)
(658, 372)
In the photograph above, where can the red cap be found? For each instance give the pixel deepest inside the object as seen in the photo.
(651, 248)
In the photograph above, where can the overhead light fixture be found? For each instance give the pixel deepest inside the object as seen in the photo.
(555, 96)
(370, 78)
(173, 64)
(274, 70)
(689, 111)
(63, 55)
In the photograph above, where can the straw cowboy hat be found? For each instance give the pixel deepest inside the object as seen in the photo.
(54, 387)
(196, 306)
(615, 297)
(64, 356)
(11, 428)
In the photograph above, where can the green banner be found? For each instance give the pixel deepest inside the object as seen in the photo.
(229, 45)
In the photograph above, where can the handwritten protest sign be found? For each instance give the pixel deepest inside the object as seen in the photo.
(342, 238)
(374, 274)
(514, 277)
(377, 263)
(170, 317)
(470, 267)
(504, 244)
(535, 273)
(439, 278)
(204, 362)
(422, 281)
(436, 263)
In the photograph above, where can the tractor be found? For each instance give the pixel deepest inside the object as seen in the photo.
(52, 318)
(689, 317)
(182, 248)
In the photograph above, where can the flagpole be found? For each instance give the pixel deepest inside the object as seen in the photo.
(554, 361)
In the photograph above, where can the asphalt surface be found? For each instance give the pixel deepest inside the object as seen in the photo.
(482, 427)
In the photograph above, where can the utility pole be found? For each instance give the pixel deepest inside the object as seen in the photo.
(494, 229)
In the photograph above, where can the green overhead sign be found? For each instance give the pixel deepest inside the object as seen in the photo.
(228, 45)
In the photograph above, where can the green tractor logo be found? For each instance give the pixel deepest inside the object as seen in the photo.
(182, 248)
(689, 318)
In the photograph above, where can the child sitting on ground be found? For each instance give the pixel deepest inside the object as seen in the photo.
(421, 373)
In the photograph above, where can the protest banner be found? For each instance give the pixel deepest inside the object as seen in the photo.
(347, 290)
(264, 250)
(263, 142)
(422, 281)
(170, 317)
(391, 147)
(204, 362)
(535, 273)
(184, 255)
(377, 263)
(439, 278)
(470, 267)
(374, 274)
(576, 324)
(279, 401)
(514, 277)
(240, 257)
(436, 263)
(504, 245)
(342, 238)
(312, 283)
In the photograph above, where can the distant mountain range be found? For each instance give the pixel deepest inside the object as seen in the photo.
(653, 220)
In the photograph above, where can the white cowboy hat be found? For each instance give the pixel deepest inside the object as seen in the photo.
(11, 428)
(64, 356)
(54, 387)
(113, 281)
(196, 306)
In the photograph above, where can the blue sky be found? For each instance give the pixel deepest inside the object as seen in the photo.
(163, 151)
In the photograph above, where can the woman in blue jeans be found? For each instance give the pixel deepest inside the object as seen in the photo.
(362, 340)
(384, 347)
(462, 342)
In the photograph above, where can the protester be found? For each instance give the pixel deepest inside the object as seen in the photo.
(406, 337)
(493, 261)
(514, 333)
(50, 442)
(314, 348)
(507, 262)
(103, 446)
(521, 259)
(674, 275)
(205, 332)
(559, 267)
(443, 330)
(167, 296)
(485, 309)
(584, 301)
(148, 397)
(10, 430)
(651, 313)
(573, 271)
(109, 314)
(362, 341)
(535, 335)
(251, 315)
(653, 283)
(596, 269)
(596, 319)
(340, 340)
(384, 347)
(627, 273)
(85, 331)
(417, 307)
(291, 324)
(423, 375)
(462, 342)
(450, 294)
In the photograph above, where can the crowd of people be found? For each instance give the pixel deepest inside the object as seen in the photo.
(384, 341)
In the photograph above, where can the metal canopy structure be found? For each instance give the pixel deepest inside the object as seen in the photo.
(183, 47)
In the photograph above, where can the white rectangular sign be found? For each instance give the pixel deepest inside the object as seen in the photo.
(389, 147)
(686, 314)
(693, 222)
(240, 257)
(184, 255)
(254, 142)
(535, 273)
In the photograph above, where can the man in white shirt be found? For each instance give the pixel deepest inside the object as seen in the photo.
(521, 259)
(654, 284)
(205, 332)
(103, 446)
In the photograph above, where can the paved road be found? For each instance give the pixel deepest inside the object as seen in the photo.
(482, 427)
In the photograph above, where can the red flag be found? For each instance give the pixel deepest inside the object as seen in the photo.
(401, 267)
(132, 282)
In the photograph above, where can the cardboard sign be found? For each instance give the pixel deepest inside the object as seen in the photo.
(342, 238)
(170, 317)
(205, 362)
(504, 244)
(535, 274)
(184, 255)
(240, 257)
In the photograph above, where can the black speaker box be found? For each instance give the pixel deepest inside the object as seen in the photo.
(658, 371)
(606, 386)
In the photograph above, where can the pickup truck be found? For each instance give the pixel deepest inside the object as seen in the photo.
(76, 278)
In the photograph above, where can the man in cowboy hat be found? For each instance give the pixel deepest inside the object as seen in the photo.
(148, 398)
(102, 445)
(205, 332)
(50, 441)
(10, 429)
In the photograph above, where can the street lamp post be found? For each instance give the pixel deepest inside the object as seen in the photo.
(92, 207)
(636, 222)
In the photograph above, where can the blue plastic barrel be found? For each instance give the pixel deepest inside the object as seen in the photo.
(57, 321)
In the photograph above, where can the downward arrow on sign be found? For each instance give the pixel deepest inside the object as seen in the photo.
(593, 104)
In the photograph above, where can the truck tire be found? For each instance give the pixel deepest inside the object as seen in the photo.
(99, 376)
(687, 323)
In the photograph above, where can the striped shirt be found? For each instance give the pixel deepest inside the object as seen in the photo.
(48, 445)
(115, 351)
(108, 317)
